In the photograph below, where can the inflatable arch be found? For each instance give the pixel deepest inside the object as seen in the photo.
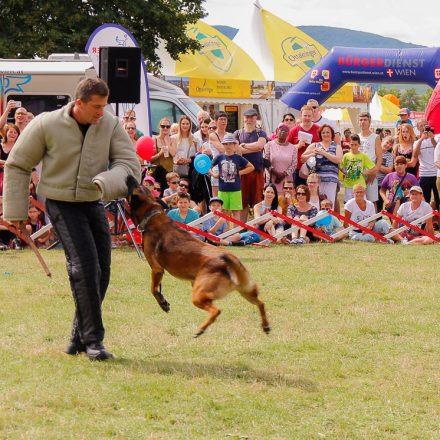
(432, 112)
(344, 64)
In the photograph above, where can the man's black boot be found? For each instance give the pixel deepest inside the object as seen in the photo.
(75, 347)
(96, 352)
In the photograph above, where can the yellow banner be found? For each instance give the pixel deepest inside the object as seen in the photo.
(219, 88)
(294, 52)
(219, 57)
(344, 94)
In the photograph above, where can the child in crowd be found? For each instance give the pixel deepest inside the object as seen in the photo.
(387, 165)
(183, 213)
(354, 166)
(215, 225)
(231, 167)
(170, 193)
(335, 224)
(34, 224)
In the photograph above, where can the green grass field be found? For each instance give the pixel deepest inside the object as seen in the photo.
(354, 351)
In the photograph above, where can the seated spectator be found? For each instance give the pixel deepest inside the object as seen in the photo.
(269, 203)
(215, 225)
(288, 196)
(170, 193)
(410, 211)
(387, 165)
(183, 213)
(301, 211)
(358, 209)
(395, 186)
(150, 182)
(5, 235)
(184, 187)
(34, 223)
(335, 224)
(313, 183)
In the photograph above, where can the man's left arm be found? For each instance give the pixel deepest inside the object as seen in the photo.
(253, 147)
(379, 154)
(123, 161)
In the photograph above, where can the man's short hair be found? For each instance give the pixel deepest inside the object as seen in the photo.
(182, 195)
(355, 138)
(306, 107)
(365, 115)
(220, 115)
(91, 86)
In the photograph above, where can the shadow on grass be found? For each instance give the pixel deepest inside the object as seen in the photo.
(232, 372)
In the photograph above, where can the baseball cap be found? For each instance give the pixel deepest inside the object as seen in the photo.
(215, 199)
(229, 139)
(149, 178)
(250, 112)
(416, 188)
(404, 111)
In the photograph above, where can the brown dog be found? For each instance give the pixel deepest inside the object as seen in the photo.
(212, 271)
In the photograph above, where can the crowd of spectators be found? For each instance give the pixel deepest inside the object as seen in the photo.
(303, 167)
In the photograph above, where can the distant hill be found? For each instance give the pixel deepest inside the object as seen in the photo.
(333, 36)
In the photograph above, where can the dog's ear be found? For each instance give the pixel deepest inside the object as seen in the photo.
(132, 184)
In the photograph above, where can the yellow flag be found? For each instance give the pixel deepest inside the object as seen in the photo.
(389, 110)
(293, 51)
(219, 57)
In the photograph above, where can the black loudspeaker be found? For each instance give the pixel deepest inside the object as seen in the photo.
(120, 68)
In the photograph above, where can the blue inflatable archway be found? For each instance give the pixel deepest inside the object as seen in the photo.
(346, 64)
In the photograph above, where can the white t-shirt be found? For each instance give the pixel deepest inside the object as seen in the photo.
(437, 157)
(426, 159)
(368, 145)
(357, 214)
(407, 213)
(321, 121)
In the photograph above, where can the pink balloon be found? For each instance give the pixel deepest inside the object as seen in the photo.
(145, 147)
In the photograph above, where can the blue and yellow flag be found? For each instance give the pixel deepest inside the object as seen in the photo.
(293, 51)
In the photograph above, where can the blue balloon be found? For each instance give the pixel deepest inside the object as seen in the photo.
(325, 221)
(202, 163)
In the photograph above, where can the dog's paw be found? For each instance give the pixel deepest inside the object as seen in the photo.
(266, 329)
(199, 333)
(164, 305)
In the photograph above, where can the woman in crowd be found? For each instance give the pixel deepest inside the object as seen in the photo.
(282, 157)
(301, 211)
(313, 181)
(328, 156)
(162, 158)
(174, 129)
(359, 208)
(34, 223)
(183, 148)
(289, 120)
(12, 132)
(269, 203)
(404, 146)
(202, 135)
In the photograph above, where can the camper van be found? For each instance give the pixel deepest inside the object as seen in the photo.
(45, 85)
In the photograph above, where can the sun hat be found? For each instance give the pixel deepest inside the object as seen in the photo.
(416, 188)
(229, 139)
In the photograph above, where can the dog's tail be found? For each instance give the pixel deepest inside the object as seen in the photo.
(238, 273)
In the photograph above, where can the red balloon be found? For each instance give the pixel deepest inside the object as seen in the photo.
(145, 147)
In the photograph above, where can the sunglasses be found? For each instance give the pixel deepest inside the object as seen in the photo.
(288, 187)
(130, 128)
(165, 126)
(183, 185)
(314, 107)
(130, 118)
(300, 194)
(212, 128)
(174, 183)
(289, 119)
(20, 113)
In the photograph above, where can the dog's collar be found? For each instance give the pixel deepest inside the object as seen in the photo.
(143, 223)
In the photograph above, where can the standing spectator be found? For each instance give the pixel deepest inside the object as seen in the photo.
(328, 155)
(11, 136)
(306, 126)
(183, 147)
(358, 209)
(231, 167)
(201, 136)
(183, 213)
(395, 186)
(405, 145)
(162, 158)
(412, 210)
(386, 132)
(437, 164)
(282, 157)
(101, 156)
(318, 119)
(174, 129)
(217, 131)
(354, 165)
(371, 146)
(130, 116)
(21, 118)
(345, 142)
(252, 142)
(423, 152)
(201, 116)
(11, 104)
(289, 120)
(387, 165)
(404, 117)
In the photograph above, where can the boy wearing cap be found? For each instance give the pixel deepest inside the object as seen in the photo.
(413, 210)
(404, 117)
(215, 225)
(231, 166)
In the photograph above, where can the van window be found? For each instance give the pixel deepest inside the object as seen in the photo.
(161, 109)
(37, 104)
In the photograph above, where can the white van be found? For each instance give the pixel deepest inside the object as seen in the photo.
(45, 85)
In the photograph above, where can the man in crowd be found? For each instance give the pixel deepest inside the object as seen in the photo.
(20, 117)
(86, 156)
(320, 120)
(371, 146)
(251, 143)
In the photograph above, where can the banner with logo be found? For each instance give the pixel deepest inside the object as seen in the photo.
(219, 88)
(109, 35)
(343, 64)
(294, 52)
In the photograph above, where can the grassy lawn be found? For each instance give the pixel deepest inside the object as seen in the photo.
(354, 351)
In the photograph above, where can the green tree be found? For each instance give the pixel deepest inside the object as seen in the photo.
(423, 101)
(383, 90)
(40, 27)
(409, 98)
